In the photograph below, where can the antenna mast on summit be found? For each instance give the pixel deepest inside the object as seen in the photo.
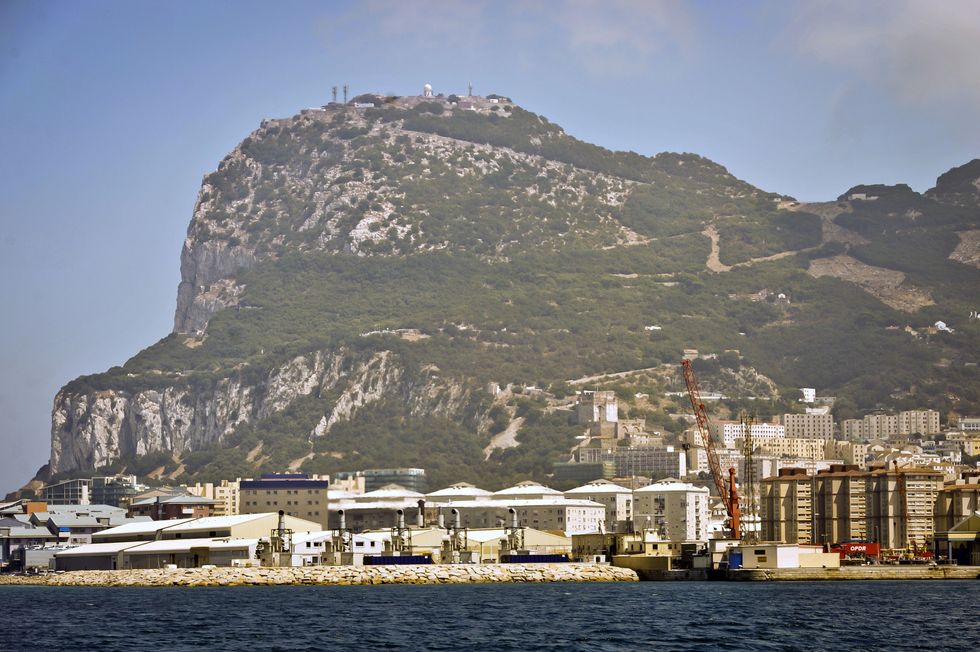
(346, 88)
(334, 90)
(471, 89)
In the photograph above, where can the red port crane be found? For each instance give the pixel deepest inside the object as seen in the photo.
(728, 491)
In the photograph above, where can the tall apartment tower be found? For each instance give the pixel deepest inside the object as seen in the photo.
(786, 506)
(924, 422)
(880, 426)
(840, 504)
(901, 506)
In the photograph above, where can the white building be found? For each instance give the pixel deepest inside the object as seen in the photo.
(809, 394)
(618, 501)
(677, 510)
(551, 513)
(969, 424)
(728, 431)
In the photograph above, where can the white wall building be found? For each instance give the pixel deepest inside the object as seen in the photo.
(617, 500)
(677, 510)
(728, 431)
(553, 513)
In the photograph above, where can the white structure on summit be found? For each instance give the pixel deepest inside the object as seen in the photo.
(427, 90)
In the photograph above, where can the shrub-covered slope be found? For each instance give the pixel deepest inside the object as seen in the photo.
(354, 279)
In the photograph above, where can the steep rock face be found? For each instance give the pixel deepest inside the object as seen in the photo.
(96, 429)
(205, 286)
(363, 183)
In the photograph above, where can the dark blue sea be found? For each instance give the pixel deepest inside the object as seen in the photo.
(942, 615)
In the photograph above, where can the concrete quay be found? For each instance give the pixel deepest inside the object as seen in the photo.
(334, 575)
(887, 572)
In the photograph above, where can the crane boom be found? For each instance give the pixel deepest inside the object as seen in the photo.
(729, 493)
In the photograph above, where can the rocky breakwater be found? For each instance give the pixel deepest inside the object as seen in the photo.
(335, 575)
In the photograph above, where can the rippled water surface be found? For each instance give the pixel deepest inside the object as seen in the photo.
(652, 615)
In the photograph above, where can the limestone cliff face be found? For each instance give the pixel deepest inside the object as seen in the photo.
(207, 284)
(94, 429)
(340, 181)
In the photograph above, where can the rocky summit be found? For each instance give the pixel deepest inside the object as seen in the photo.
(426, 281)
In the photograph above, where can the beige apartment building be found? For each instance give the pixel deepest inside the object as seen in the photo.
(225, 493)
(809, 426)
(851, 429)
(924, 422)
(786, 507)
(295, 494)
(885, 426)
(851, 452)
(880, 426)
(902, 517)
(811, 449)
(841, 505)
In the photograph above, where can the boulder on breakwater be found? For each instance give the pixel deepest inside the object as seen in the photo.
(335, 575)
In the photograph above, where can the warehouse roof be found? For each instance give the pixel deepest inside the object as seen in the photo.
(599, 487)
(526, 488)
(217, 522)
(29, 533)
(139, 527)
(99, 549)
(459, 489)
(185, 545)
(175, 500)
(389, 491)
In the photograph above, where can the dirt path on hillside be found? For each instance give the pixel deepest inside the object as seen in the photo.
(505, 439)
(252, 454)
(714, 258)
(617, 374)
(830, 231)
(298, 462)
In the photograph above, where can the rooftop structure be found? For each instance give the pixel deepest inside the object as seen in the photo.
(458, 491)
(525, 490)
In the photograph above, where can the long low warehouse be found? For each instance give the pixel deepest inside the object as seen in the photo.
(186, 543)
(183, 553)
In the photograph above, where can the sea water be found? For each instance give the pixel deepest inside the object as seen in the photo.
(876, 615)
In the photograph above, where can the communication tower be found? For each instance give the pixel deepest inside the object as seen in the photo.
(334, 92)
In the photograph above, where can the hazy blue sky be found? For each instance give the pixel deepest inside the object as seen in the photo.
(111, 112)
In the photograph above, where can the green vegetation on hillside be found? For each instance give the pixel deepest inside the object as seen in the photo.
(517, 270)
